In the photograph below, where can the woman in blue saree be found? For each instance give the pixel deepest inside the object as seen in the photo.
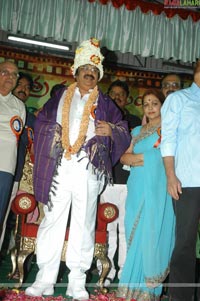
(149, 218)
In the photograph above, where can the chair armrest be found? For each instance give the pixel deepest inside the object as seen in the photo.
(107, 213)
(23, 203)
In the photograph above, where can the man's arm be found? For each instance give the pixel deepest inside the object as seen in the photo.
(173, 183)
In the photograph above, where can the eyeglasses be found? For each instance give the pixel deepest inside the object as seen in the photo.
(89, 68)
(168, 85)
(113, 94)
(13, 75)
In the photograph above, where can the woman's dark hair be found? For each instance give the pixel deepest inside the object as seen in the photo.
(155, 92)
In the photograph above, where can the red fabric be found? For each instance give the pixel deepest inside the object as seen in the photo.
(100, 237)
(156, 8)
(29, 230)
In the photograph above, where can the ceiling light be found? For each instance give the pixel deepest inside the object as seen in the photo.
(39, 43)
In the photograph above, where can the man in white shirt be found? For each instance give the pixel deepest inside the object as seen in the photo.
(171, 82)
(180, 149)
(78, 136)
(12, 119)
(22, 91)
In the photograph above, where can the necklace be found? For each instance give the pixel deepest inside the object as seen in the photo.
(145, 132)
(150, 129)
(73, 149)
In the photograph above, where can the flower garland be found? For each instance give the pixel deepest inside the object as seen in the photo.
(73, 149)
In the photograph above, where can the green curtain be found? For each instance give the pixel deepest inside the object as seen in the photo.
(118, 29)
(198, 243)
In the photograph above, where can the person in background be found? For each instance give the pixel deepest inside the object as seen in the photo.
(116, 194)
(180, 151)
(12, 116)
(21, 91)
(79, 136)
(24, 86)
(119, 92)
(171, 82)
(149, 216)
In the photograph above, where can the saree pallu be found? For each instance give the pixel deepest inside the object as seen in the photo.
(149, 225)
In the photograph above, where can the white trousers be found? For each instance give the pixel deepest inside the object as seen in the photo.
(78, 187)
(116, 194)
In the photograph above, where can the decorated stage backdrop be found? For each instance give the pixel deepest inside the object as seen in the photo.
(49, 70)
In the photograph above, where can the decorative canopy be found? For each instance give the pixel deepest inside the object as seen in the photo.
(156, 8)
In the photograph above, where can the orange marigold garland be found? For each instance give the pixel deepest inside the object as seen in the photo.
(73, 149)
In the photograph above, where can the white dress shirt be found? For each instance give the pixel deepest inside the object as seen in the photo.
(12, 117)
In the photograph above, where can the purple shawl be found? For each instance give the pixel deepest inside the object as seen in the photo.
(103, 152)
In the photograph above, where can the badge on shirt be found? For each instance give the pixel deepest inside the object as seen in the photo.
(30, 135)
(16, 125)
(93, 111)
(159, 139)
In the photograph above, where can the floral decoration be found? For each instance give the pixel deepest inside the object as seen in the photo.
(95, 42)
(95, 59)
(156, 8)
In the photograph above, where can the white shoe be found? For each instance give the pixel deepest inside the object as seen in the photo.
(81, 295)
(69, 291)
(77, 293)
(37, 289)
(76, 286)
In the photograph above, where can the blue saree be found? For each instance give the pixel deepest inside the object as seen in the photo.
(149, 224)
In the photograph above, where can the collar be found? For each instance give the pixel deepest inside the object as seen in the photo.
(195, 89)
(6, 97)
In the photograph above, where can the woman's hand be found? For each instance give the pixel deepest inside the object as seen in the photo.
(132, 159)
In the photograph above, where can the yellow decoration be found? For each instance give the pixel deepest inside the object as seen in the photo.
(73, 149)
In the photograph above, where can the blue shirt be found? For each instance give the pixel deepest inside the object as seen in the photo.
(180, 116)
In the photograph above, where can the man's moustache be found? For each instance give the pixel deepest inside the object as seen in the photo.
(22, 92)
(89, 75)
